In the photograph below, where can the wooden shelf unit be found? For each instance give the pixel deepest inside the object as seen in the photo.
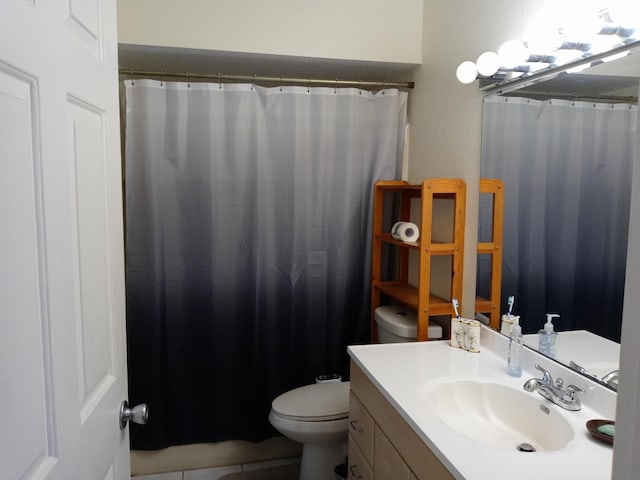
(491, 305)
(418, 298)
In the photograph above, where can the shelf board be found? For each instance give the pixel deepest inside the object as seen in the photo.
(487, 248)
(483, 305)
(436, 248)
(408, 294)
(399, 186)
(443, 248)
(387, 238)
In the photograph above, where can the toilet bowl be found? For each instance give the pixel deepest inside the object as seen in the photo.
(317, 416)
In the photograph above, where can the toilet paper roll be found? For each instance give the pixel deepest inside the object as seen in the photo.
(405, 232)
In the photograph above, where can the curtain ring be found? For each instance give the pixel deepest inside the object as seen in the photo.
(188, 80)
(161, 78)
(384, 85)
(133, 78)
(309, 85)
(359, 87)
(253, 82)
(219, 82)
(335, 89)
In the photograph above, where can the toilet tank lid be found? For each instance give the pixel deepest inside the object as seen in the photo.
(320, 401)
(403, 322)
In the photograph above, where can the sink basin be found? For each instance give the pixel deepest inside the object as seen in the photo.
(498, 415)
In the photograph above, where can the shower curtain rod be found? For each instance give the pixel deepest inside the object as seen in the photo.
(257, 78)
(576, 97)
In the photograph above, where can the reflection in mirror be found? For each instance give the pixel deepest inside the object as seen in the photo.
(586, 353)
(566, 164)
(566, 168)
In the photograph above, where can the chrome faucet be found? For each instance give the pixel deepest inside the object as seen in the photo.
(611, 379)
(555, 392)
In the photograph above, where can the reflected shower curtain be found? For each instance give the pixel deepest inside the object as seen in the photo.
(248, 220)
(567, 172)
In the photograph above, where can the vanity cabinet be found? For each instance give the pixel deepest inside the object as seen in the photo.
(382, 445)
(437, 206)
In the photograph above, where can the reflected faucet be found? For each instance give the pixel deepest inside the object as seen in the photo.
(578, 368)
(555, 392)
(611, 379)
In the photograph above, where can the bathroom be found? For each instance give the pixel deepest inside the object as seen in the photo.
(457, 136)
(446, 113)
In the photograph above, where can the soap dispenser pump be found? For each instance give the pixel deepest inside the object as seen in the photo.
(548, 337)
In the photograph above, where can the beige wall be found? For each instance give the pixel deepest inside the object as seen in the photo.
(370, 30)
(446, 115)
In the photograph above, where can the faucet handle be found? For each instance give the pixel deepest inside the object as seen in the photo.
(546, 376)
(572, 391)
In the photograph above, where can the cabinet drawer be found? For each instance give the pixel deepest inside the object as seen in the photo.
(361, 427)
(358, 469)
(388, 463)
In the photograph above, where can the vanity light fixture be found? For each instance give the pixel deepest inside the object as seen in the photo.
(488, 63)
(588, 33)
(467, 72)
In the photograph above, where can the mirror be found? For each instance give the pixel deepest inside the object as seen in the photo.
(564, 144)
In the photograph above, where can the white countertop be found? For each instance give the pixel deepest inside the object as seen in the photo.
(403, 371)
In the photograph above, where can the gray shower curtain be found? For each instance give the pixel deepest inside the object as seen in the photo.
(248, 220)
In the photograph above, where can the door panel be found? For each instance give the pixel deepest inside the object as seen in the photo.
(62, 330)
(93, 309)
(25, 338)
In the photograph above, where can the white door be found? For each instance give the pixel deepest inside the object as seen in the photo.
(62, 340)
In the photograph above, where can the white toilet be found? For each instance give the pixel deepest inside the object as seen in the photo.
(317, 416)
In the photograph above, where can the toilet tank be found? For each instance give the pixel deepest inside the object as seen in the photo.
(397, 323)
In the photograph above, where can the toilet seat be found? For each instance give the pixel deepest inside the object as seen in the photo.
(319, 402)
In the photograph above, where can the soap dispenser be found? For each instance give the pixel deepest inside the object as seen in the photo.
(548, 337)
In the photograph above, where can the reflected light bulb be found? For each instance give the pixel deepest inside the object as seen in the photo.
(581, 25)
(488, 63)
(466, 72)
(512, 53)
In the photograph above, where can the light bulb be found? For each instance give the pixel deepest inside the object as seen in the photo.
(466, 72)
(512, 53)
(488, 63)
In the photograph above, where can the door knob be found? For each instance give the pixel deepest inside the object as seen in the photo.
(138, 414)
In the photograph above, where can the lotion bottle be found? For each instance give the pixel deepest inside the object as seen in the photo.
(514, 360)
(548, 337)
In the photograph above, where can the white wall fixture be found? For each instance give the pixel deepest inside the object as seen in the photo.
(488, 63)
(467, 72)
(566, 35)
(513, 53)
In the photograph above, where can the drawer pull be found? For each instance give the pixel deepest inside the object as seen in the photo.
(355, 426)
(353, 470)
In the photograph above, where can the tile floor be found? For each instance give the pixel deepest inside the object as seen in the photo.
(215, 473)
